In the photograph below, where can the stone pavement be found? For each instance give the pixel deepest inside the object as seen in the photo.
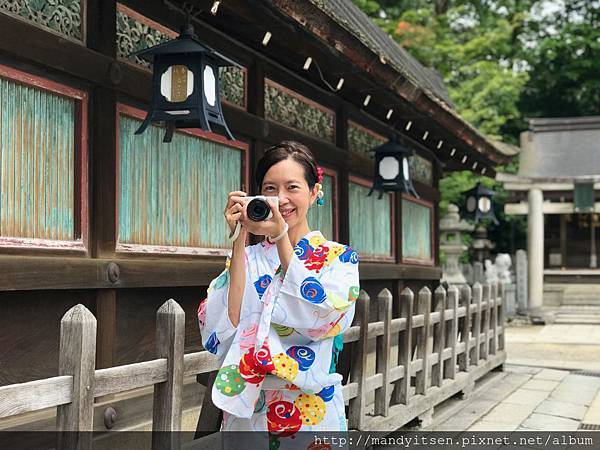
(550, 382)
(525, 398)
(556, 345)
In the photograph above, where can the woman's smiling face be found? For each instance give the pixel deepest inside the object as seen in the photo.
(286, 180)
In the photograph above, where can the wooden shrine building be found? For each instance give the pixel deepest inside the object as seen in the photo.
(91, 213)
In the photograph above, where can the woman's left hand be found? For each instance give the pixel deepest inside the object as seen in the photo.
(271, 227)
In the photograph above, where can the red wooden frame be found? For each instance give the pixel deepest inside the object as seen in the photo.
(429, 205)
(80, 192)
(374, 257)
(123, 109)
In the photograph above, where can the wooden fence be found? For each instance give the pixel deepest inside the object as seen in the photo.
(443, 343)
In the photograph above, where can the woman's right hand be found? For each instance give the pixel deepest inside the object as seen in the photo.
(234, 210)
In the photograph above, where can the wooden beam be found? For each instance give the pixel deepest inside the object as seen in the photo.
(44, 272)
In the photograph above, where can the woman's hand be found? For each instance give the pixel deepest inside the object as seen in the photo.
(234, 210)
(271, 227)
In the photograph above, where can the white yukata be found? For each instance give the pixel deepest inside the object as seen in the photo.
(275, 366)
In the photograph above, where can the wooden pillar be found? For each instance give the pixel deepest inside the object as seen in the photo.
(101, 31)
(106, 314)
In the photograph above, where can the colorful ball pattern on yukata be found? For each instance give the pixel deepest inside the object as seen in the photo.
(335, 251)
(312, 290)
(349, 255)
(317, 259)
(326, 393)
(353, 293)
(229, 381)
(282, 330)
(337, 301)
(212, 343)
(316, 240)
(312, 407)
(303, 250)
(262, 284)
(285, 367)
(304, 356)
(283, 418)
(254, 365)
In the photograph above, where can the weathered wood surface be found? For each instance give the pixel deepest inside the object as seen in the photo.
(77, 359)
(170, 321)
(439, 336)
(357, 410)
(383, 353)
(405, 347)
(452, 332)
(35, 395)
(423, 349)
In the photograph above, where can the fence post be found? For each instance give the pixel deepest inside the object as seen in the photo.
(494, 319)
(502, 294)
(383, 352)
(477, 291)
(486, 321)
(166, 417)
(402, 390)
(77, 357)
(465, 332)
(357, 405)
(452, 332)
(423, 352)
(439, 335)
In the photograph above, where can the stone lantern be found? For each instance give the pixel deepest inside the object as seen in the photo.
(451, 230)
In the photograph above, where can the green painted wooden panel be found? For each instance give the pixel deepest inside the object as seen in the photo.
(416, 231)
(321, 217)
(174, 194)
(37, 149)
(370, 221)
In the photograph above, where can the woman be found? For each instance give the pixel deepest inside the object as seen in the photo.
(271, 316)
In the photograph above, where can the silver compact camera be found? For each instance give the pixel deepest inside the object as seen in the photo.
(258, 208)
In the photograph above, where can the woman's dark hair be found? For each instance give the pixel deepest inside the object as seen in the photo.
(282, 151)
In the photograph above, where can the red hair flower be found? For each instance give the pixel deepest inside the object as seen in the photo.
(319, 174)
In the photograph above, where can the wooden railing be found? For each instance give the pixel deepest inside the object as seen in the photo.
(441, 345)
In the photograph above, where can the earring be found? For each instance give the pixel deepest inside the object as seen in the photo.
(320, 195)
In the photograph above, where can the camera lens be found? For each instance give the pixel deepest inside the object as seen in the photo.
(258, 209)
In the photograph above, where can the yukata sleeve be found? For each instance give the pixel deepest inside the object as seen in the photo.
(318, 293)
(216, 329)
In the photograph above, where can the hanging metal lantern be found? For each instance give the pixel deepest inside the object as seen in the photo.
(185, 85)
(479, 203)
(392, 169)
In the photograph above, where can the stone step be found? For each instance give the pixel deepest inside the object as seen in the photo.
(592, 299)
(576, 319)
